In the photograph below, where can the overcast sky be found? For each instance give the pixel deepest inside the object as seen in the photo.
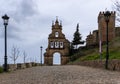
(30, 22)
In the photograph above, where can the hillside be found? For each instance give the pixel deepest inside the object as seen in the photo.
(93, 53)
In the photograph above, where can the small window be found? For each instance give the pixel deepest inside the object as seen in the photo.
(61, 44)
(56, 44)
(56, 34)
(52, 44)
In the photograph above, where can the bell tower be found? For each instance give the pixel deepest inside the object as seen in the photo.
(57, 43)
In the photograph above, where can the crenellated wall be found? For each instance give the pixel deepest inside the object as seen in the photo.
(100, 35)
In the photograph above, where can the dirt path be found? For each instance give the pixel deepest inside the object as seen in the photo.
(60, 75)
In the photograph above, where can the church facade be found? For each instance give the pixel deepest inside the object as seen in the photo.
(57, 43)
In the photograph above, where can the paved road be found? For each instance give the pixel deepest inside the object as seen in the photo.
(60, 75)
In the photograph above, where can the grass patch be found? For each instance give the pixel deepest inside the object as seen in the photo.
(93, 53)
(1, 69)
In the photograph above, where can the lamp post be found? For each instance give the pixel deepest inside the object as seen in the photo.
(5, 19)
(41, 55)
(107, 15)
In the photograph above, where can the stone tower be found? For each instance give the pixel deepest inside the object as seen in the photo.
(102, 27)
(57, 43)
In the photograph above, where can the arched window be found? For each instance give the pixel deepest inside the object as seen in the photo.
(56, 34)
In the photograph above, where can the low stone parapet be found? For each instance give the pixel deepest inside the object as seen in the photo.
(112, 64)
(28, 65)
(21, 66)
(37, 64)
(33, 64)
(12, 67)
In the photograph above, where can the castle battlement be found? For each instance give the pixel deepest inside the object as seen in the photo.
(103, 12)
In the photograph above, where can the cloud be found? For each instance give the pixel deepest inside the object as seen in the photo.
(29, 21)
(22, 19)
(24, 10)
(28, 8)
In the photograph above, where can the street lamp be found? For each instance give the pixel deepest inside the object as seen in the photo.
(107, 15)
(41, 55)
(5, 19)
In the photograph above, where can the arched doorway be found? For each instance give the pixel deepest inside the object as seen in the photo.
(56, 58)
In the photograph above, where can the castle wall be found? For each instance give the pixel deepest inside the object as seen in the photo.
(117, 31)
(89, 40)
(95, 36)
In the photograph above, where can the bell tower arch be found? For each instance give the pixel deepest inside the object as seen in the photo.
(57, 43)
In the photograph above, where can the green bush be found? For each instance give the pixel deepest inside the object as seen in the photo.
(1, 69)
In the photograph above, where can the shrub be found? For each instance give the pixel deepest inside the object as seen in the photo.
(1, 69)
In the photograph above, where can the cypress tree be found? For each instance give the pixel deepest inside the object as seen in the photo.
(77, 37)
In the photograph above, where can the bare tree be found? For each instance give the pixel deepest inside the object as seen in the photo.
(116, 7)
(15, 54)
(24, 56)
